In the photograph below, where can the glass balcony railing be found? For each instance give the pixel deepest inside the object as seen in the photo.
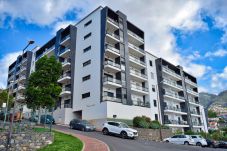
(190, 82)
(67, 105)
(169, 93)
(140, 88)
(192, 91)
(64, 38)
(66, 89)
(111, 98)
(176, 122)
(112, 21)
(195, 112)
(66, 61)
(141, 103)
(135, 36)
(137, 72)
(174, 108)
(136, 59)
(112, 64)
(172, 83)
(112, 80)
(166, 69)
(197, 124)
(109, 46)
(65, 75)
(63, 50)
(113, 35)
(193, 100)
(135, 47)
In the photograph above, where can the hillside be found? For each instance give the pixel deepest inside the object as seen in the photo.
(207, 99)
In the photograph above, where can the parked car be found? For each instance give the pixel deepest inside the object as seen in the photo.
(180, 139)
(199, 140)
(34, 118)
(119, 128)
(82, 125)
(48, 118)
(222, 144)
(212, 143)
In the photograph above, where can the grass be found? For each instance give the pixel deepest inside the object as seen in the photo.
(62, 142)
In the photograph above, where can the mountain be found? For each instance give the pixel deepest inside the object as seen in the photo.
(206, 99)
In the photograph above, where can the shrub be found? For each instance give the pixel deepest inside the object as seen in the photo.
(136, 120)
(143, 124)
(155, 125)
(189, 132)
(147, 119)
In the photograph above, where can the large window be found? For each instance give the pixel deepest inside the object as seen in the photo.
(85, 95)
(86, 63)
(87, 36)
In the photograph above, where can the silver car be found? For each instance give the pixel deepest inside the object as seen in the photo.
(180, 139)
(199, 140)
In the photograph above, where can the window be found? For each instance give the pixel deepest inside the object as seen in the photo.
(153, 88)
(175, 136)
(86, 63)
(152, 75)
(156, 117)
(87, 49)
(87, 36)
(155, 103)
(85, 78)
(151, 63)
(85, 95)
(88, 23)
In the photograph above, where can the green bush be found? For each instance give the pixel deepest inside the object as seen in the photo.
(147, 119)
(155, 125)
(189, 132)
(136, 120)
(143, 124)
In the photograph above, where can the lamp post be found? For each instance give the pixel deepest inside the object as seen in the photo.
(30, 42)
(7, 102)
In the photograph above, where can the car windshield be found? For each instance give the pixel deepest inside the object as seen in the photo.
(123, 125)
(85, 122)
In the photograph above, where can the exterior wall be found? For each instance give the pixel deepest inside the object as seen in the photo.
(152, 82)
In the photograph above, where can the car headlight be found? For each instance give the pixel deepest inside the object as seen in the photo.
(87, 127)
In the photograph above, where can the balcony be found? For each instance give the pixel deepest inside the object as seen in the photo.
(23, 69)
(20, 97)
(65, 40)
(112, 82)
(170, 72)
(111, 98)
(65, 78)
(134, 38)
(193, 101)
(192, 92)
(173, 96)
(173, 84)
(65, 91)
(22, 78)
(24, 61)
(112, 37)
(64, 52)
(197, 124)
(137, 75)
(11, 70)
(136, 50)
(67, 105)
(112, 22)
(173, 109)
(137, 62)
(66, 63)
(112, 67)
(111, 51)
(21, 87)
(195, 113)
(139, 90)
(188, 81)
(141, 103)
(176, 123)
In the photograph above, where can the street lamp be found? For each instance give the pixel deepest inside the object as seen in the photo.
(30, 42)
(7, 103)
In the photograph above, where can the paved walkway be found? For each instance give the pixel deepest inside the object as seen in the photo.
(90, 144)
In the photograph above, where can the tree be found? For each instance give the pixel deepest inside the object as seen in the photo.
(4, 97)
(212, 114)
(43, 90)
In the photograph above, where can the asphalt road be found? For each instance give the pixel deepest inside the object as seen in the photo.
(118, 144)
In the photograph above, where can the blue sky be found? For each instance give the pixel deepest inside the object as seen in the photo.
(190, 33)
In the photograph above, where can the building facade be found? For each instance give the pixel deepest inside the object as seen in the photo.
(107, 73)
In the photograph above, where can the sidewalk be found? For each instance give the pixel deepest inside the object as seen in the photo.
(90, 144)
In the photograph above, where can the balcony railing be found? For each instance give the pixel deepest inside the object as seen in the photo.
(135, 47)
(173, 108)
(197, 124)
(112, 64)
(66, 89)
(136, 36)
(65, 75)
(111, 98)
(166, 69)
(192, 91)
(63, 50)
(66, 61)
(173, 95)
(64, 38)
(137, 72)
(141, 103)
(110, 79)
(112, 21)
(136, 59)
(195, 112)
(113, 35)
(134, 86)
(176, 122)
(193, 100)
(67, 105)
(172, 83)
(190, 82)
(109, 46)
(24, 60)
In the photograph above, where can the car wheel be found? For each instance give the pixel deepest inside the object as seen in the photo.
(198, 144)
(123, 135)
(167, 141)
(105, 131)
(186, 143)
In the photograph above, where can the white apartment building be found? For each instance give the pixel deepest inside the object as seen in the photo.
(108, 74)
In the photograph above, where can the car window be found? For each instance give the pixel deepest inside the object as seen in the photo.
(200, 137)
(182, 136)
(111, 123)
(175, 136)
(193, 136)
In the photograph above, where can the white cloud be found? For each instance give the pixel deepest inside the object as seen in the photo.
(202, 89)
(4, 64)
(218, 53)
(219, 80)
(62, 24)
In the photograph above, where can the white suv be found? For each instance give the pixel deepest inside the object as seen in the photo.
(119, 128)
(199, 140)
(180, 139)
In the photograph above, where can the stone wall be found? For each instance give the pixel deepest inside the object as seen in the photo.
(28, 141)
(153, 134)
